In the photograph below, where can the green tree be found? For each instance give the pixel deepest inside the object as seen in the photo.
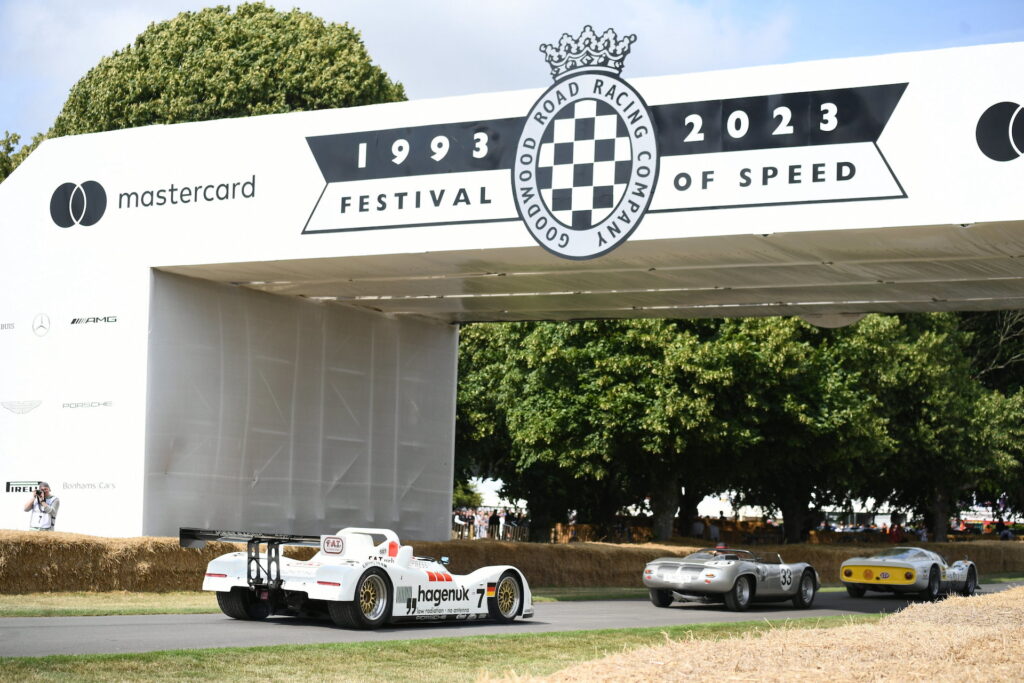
(813, 426)
(11, 155)
(216, 64)
(464, 495)
(935, 409)
(593, 416)
(996, 348)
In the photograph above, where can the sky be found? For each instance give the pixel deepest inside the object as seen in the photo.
(455, 47)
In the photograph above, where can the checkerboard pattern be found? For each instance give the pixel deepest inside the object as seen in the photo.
(584, 163)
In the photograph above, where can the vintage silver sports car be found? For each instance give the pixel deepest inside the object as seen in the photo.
(360, 578)
(908, 570)
(735, 577)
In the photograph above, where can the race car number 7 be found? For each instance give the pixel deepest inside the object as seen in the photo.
(481, 592)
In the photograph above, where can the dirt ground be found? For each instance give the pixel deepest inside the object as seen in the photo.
(957, 639)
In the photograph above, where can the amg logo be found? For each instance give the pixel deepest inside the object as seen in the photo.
(22, 486)
(86, 321)
(437, 595)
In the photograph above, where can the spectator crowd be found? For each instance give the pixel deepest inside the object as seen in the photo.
(502, 524)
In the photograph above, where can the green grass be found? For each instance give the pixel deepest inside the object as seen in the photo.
(106, 604)
(1010, 577)
(460, 659)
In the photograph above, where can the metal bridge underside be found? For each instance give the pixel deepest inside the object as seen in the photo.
(826, 276)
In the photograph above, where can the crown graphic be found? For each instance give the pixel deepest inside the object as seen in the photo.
(589, 51)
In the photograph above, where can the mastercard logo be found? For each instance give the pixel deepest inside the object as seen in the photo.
(73, 204)
(1000, 131)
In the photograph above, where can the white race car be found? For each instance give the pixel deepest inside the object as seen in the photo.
(360, 578)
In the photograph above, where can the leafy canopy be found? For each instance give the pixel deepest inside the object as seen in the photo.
(216, 64)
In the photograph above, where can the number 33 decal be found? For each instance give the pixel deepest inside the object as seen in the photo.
(786, 577)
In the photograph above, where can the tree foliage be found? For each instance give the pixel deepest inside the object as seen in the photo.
(11, 155)
(602, 415)
(217, 63)
(464, 495)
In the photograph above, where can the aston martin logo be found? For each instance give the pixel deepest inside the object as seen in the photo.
(20, 407)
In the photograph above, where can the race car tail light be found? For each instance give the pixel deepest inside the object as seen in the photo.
(847, 573)
(908, 575)
(217, 576)
(328, 583)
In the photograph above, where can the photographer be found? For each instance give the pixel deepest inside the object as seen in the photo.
(43, 505)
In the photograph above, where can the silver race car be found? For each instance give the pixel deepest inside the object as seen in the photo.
(735, 577)
(908, 570)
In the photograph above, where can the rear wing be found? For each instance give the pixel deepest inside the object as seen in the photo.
(263, 572)
(189, 537)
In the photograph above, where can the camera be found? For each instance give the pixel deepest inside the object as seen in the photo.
(39, 492)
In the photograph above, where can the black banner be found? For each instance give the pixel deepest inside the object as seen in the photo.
(823, 117)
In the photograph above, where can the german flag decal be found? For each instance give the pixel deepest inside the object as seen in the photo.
(490, 589)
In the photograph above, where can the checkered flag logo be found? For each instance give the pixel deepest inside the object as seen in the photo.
(586, 162)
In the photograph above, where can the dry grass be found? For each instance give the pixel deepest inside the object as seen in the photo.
(32, 562)
(958, 639)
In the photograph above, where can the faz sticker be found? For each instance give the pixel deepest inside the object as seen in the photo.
(587, 160)
(786, 577)
(333, 545)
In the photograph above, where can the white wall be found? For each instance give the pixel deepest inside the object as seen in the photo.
(72, 397)
(275, 413)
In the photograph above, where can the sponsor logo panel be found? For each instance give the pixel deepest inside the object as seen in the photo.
(84, 204)
(22, 486)
(333, 545)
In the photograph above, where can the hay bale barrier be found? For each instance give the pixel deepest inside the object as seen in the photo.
(957, 639)
(32, 562)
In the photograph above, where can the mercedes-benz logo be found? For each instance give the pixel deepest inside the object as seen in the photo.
(41, 324)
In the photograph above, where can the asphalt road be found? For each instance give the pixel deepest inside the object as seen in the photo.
(40, 636)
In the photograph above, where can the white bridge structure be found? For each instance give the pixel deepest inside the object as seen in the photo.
(253, 323)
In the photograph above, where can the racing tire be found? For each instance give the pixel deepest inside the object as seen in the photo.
(971, 584)
(660, 597)
(738, 597)
(805, 591)
(931, 593)
(241, 603)
(855, 591)
(371, 607)
(507, 600)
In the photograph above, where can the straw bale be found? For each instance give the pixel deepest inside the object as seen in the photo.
(41, 562)
(957, 639)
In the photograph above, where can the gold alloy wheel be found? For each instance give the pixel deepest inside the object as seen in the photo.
(372, 597)
(508, 596)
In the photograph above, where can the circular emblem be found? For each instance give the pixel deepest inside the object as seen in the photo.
(73, 204)
(41, 325)
(585, 165)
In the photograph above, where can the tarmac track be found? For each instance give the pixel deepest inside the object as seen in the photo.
(41, 636)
